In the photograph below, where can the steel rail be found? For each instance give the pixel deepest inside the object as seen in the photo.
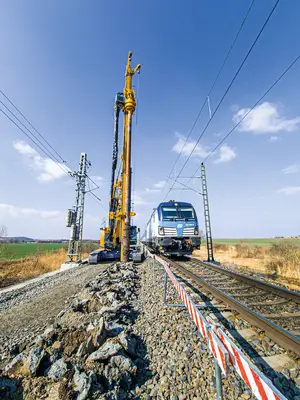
(280, 336)
(287, 294)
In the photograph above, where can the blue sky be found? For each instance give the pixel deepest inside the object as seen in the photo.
(62, 64)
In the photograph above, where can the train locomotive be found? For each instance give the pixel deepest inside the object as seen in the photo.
(173, 229)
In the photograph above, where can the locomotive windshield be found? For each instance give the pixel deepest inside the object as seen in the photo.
(178, 213)
(169, 212)
(186, 212)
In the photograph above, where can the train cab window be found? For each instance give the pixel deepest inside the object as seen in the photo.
(169, 212)
(153, 218)
(186, 212)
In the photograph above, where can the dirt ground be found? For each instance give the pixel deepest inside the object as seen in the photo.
(229, 256)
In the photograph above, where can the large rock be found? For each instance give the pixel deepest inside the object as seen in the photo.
(86, 348)
(80, 305)
(128, 343)
(111, 296)
(113, 329)
(15, 364)
(100, 334)
(128, 274)
(106, 351)
(112, 376)
(112, 309)
(35, 358)
(73, 339)
(49, 333)
(82, 384)
(124, 364)
(57, 370)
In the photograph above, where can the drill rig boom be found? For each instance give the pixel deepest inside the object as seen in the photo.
(116, 237)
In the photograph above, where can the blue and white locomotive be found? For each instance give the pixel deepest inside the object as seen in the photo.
(173, 229)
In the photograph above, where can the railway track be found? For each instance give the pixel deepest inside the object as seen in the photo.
(274, 310)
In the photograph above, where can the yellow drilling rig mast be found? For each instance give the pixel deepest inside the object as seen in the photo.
(115, 239)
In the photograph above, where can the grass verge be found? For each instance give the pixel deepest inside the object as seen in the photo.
(281, 260)
(17, 270)
(264, 242)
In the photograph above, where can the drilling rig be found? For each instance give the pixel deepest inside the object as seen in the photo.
(117, 240)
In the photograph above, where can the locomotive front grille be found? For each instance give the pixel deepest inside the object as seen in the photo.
(188, 231)
(170, 231)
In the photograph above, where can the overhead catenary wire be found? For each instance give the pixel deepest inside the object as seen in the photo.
(226, 91)
(44, 151)
(251, 109)
(32, 126)
(246, 114)
(40, 145)
(44, 148)
(186, 187)
(89, 178)
(211, 89)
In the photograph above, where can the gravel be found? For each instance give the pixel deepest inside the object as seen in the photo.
(27, 293)
(180, 364)
(26, 311)
(90, 351)
(260, 347)
(116, 340)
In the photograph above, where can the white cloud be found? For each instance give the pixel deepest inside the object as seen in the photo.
(226, 154)
(156, 187)
(291, 169)
(149, 190)
(160, 184)
(46, 168)
(200, 151)
(14, 211)
(289, 190)
(265, 118)
(274, 139)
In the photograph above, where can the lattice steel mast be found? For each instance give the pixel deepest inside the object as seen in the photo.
(210, 250)
(75, 215)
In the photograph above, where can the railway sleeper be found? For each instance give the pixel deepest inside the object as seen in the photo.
(250, 294)
(230, 288)
(282, 316)
(267, 304)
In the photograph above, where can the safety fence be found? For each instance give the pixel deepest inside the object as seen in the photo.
(224, 351)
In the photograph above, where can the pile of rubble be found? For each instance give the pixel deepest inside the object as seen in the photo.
(90, 351)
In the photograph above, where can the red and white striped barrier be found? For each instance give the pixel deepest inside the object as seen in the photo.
(223, 349)
(259, 384)
(218, 350)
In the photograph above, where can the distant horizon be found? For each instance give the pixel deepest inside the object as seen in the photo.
(218, 238)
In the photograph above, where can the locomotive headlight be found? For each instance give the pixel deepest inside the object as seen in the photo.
(196, 231)
(161, 230)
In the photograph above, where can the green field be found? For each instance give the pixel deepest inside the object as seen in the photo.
(19, 250)
(255, 242)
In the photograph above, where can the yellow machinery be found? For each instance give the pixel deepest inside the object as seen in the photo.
(115, 239)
